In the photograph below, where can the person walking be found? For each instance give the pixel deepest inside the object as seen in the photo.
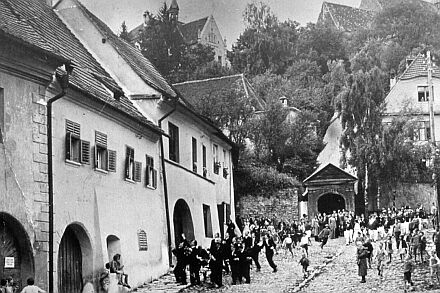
(361, 257)
(325, 233)
(270, 247)
(255, 249)
(408, 268)
(216, 262)
(434, 263)
(380, 257)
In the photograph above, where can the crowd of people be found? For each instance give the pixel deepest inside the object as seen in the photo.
(394, 232)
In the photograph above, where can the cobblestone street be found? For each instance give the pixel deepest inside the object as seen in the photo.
(333, 270)
(342, 276)
(289, 273)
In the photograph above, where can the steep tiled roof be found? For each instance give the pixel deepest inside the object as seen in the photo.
(418, 68)
(88, 76)
(346, 18)
(141, 65)
(191, 30)
(14, 26)
(196, 90)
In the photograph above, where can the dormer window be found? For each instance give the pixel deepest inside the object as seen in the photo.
(423, 93)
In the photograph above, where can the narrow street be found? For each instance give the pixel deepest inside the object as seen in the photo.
(335, 268)
(342, 276)
(289, 273)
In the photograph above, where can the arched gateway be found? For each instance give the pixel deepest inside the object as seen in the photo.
(329, 202)
(75, 259)
(16, 258)
(328, 189)
(182, 220)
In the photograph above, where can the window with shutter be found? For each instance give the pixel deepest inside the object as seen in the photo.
(101, 152)
(207, 220)
(85, 152)
(129, 163)
(137, 171)
(142, 240)
(111, 161)
(73, 141)
(154, 178)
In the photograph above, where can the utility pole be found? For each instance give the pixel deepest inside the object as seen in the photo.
(432, 132)
(430, 98)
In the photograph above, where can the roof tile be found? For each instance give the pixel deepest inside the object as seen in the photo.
(348, 18)
(43, 28)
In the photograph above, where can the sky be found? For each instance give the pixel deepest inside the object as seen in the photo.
(227, 13)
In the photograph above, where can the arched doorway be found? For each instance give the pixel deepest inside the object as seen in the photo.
(16, 257)
(182, 221)
(75, 259)
(330, 202)
(113, 246)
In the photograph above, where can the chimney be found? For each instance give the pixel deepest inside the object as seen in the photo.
(393, 81)
(283, 101)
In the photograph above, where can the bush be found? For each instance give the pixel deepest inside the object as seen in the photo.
(261, 180)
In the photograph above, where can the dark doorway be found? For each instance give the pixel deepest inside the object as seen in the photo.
(16, 258)
(182, 221)
(70, 278)
(330, 202)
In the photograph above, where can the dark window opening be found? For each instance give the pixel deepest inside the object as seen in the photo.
(173, 132)
(207, 220)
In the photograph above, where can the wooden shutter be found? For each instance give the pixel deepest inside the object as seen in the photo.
(95, 152)
(101, 139)
(154, 178)
(111, 161)
(73, 128)
(68, 145)
(85, 152)
(137, 171)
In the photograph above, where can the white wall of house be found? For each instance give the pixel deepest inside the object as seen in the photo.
(194, 189)
(404, 97)
(105, 203)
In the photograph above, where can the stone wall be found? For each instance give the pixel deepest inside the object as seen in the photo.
(281, 205)
(408, 194)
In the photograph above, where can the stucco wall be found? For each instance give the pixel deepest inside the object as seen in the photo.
(107, 204)
(23, 154)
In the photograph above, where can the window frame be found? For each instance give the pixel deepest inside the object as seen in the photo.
(425, 93)
(101, 152)
(73, 142)
(129, 163)
(173, 142)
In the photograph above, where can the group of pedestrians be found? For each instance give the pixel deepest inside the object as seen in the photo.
(232, 254)
(397, 232)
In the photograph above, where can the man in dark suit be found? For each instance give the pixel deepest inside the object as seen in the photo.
(270, 247)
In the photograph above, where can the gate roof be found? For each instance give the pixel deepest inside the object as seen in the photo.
(329, 174)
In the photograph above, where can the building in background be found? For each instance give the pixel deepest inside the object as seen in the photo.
(203, 31)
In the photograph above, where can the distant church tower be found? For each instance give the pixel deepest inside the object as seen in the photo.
(174, 10)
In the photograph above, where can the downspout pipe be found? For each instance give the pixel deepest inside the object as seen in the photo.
(64, 84)
(165, 186)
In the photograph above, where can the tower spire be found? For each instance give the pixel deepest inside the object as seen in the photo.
(174, 10)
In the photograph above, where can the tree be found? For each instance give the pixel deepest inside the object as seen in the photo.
(230, 111)
(286, 140)
(162, 43)
(266, 44)
(124, 32)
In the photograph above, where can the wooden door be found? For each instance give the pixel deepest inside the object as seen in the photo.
(9, 248)
(69, 264)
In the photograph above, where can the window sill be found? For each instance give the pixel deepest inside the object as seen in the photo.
(130, 181)
(101, 170)
(151, 187)
(73, 163)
